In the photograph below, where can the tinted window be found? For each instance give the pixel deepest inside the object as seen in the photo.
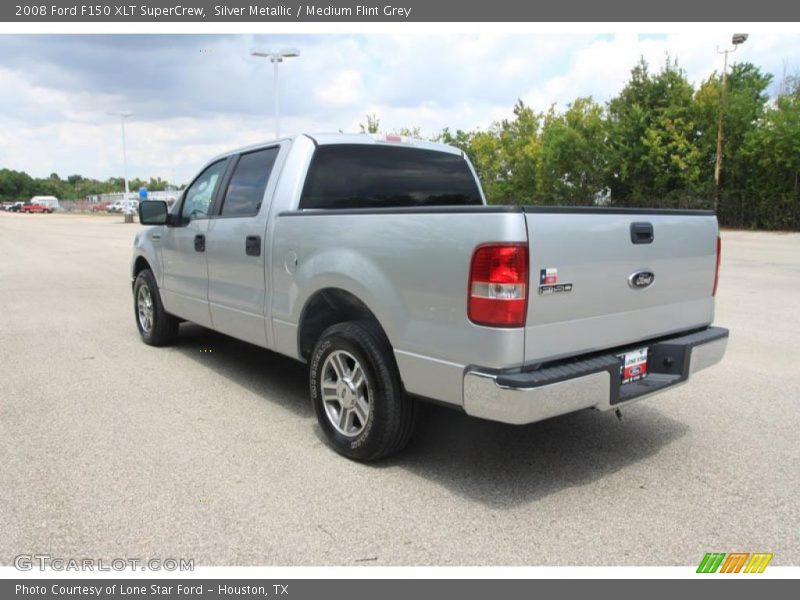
(368, 176)
(200, 194)
(248, 182)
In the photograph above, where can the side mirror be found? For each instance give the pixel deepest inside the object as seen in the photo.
(153, 212)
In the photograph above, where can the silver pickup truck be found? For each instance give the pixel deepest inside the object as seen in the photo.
(377, 262)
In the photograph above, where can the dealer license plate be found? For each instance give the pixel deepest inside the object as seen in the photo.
(634, 365)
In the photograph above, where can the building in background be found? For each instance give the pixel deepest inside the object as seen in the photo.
(168, 196)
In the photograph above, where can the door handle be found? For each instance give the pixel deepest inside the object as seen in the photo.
(200, 243)
(642, 233)
(252, 245)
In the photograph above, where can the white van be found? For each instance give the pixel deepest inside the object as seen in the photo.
(50, 202)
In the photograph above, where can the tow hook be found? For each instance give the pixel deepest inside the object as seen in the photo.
(618, 412)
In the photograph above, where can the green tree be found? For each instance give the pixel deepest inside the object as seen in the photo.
(520, 149)
(373, 124)
(571, 166)
(15, 185)
(770, 198)
(651, 139)
(411, 132)
(747, 101)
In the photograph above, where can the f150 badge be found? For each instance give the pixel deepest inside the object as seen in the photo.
(641, 279)
(548, 283)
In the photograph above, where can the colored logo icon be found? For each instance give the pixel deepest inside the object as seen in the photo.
(734, 562)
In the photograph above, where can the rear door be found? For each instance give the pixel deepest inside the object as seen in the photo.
(602, 278)
(237, 246)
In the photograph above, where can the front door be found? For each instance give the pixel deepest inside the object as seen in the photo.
(185, 286)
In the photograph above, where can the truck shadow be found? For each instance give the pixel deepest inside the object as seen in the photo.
(504, 466)
(501, 466)
(274, 377)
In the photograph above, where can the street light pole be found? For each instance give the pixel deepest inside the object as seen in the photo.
(122, 116)
(276, 58)
(738, 38)
(276, 96)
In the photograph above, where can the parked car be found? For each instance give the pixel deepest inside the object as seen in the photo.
(123, 206)
(378, 263)
(101, 207)
(15, 207)
(29, 207)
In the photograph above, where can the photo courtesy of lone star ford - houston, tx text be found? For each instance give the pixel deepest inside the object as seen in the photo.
(411, 299)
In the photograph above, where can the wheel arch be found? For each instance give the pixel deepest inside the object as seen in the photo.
(327, 307)
(140, 264)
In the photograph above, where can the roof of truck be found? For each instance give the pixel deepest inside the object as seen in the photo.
(324, 139)
(390, 139)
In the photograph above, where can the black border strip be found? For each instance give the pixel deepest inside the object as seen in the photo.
(495, 209)
(401, 210)
(618, 210)
(464, 11)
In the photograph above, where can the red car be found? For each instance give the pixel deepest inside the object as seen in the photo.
(100, 206)
(35, 208)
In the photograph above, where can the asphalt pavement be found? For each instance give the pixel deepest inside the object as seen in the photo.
(209, 449)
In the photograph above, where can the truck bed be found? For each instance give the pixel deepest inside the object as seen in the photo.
(411, 266)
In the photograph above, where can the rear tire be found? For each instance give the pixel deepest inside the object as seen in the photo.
(156, 326)
(357, 394)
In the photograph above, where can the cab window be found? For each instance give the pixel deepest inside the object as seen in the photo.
(248, 183)
(200, 195)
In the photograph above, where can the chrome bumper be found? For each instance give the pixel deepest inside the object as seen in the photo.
(520, 398)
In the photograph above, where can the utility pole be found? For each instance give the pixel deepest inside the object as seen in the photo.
(738, 38)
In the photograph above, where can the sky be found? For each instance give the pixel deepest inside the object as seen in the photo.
(195, 96)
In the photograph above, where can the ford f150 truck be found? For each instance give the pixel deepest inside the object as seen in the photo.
(378, 263)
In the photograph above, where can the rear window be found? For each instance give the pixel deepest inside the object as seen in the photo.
(248, 183)
(369, 176)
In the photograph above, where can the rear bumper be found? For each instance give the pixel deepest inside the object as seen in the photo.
(527, 397)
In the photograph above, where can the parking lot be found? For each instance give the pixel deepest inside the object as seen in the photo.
(209, 449)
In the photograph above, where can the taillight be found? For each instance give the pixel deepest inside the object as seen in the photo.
(498, 282)
(716, 271)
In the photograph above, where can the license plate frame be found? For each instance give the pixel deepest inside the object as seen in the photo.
(634, 365)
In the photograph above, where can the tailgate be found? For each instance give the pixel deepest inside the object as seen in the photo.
(592, 287)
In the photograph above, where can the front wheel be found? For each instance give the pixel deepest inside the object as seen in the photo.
(156, 326)
(356, 392)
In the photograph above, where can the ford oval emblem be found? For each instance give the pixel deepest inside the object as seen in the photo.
(641, 279)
